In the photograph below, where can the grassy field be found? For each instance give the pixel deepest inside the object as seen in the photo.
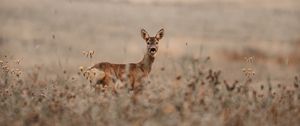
(221, 62)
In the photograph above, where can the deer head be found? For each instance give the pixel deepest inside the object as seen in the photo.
(152, 42)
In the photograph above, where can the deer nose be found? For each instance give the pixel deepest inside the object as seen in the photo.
(152, 49)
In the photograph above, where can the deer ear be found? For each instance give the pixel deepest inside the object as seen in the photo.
(144, 34)
(160, 34)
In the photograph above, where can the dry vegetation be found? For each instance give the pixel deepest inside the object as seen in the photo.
(225, 62)
(196, 96)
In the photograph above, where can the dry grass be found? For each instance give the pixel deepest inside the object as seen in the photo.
(200, 96)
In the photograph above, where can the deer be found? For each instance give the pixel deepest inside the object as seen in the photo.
(132, 74)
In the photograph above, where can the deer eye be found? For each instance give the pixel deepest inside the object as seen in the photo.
(156, 43)
(148, 43)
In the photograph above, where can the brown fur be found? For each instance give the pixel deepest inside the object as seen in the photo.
(133, 74)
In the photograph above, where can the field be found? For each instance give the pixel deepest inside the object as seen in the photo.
(221, 62)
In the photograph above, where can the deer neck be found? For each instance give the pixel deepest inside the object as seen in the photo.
(146, 63)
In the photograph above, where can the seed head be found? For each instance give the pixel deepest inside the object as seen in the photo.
(91, 53)
(83, 52)
(18, 61)
(81, 68)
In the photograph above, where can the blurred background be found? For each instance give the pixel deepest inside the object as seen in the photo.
(53, 33)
